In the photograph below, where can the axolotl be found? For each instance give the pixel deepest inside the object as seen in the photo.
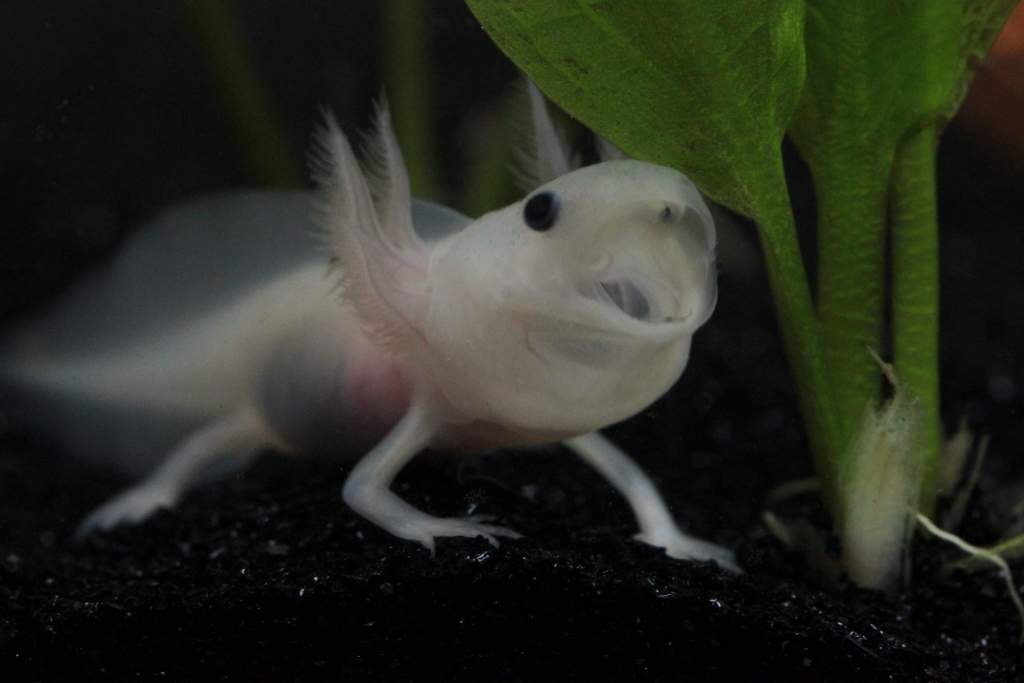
(226, 328)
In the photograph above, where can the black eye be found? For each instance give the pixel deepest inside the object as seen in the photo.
(541, 211)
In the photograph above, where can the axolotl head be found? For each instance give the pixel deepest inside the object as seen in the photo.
(563, 313)
(573, 308)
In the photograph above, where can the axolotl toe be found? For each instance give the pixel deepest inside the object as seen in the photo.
(359, 318)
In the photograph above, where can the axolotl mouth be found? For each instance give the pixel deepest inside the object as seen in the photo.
(637, 306)
(662, 271)
(629, 298)
(640, 303)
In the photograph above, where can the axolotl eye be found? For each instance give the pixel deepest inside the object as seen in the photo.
(541, 211)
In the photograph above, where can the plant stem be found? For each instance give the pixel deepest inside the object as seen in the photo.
(255, 125)
(851, 279)
(915, 296)
(490, 156)
(795, 313)
(409, 77)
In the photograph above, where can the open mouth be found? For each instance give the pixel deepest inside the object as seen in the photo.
(600, 341)
(628, 298)
(626, 295)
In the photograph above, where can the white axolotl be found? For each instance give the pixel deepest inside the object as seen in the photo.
(217, 332)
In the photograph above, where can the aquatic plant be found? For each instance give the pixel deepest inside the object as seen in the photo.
(863, 90)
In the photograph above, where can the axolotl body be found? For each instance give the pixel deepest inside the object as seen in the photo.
(222, 330)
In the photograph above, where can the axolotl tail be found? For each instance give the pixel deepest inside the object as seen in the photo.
(152, 345)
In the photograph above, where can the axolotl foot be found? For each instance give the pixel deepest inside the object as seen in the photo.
(393, 514)
(684, 547)
(232, 439)
(425, 529)
(128, 507)
(366, 490)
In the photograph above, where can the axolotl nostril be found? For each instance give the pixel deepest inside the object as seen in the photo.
(227, 327)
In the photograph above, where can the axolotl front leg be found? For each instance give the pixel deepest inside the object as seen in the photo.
(367, 489)
(330, 371)
(657, 526)
(367, 492)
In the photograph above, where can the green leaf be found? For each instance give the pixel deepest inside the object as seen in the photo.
(705, 87)
(876, 70)
(880, 69)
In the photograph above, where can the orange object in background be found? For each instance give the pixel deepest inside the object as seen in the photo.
(993, 111)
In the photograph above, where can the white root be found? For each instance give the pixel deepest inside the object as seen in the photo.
(980, 553)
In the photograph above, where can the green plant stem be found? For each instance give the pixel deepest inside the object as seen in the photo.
(799, 327)
(410, 84)
(256, 127)
(915, 295)
(851, 278)
(489, 182)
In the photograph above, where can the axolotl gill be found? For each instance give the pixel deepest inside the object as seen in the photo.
(226, 327)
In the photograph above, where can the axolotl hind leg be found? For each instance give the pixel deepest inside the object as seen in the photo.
(366, 489)
(232, 439)
(657, 527)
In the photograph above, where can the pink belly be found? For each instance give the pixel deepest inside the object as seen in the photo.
(377, 394)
